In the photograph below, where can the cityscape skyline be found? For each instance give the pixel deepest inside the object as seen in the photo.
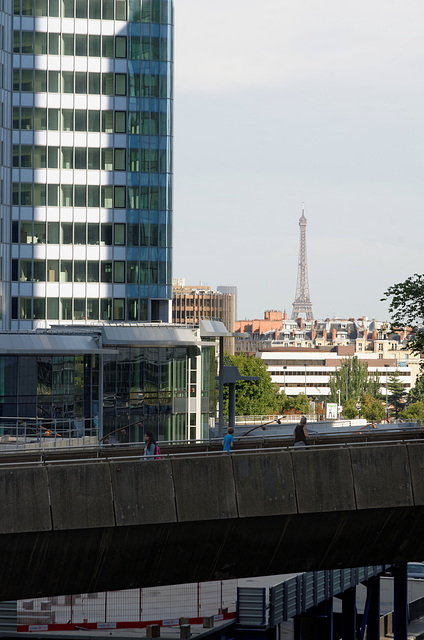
(329, 113)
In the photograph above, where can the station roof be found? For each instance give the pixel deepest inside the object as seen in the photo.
(213, 329)
(149, 336)
(47, 343)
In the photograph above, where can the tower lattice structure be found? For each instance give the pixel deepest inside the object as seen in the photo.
(302, 302)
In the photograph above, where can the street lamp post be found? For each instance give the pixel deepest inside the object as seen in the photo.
(338, 406)
(305, 379)
(285, 369)
(347, 379)
(387, 409)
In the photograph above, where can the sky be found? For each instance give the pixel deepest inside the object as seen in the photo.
(279, 103)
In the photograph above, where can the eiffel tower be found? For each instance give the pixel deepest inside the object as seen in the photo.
(302, 302)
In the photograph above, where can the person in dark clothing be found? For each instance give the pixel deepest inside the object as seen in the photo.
(300, 433)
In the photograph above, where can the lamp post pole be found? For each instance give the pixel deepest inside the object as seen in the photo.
(387, 409)
(338, 406)
(347, 379)
(285, 369)
(305, 379)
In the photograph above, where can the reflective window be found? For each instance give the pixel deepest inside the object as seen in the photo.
(93, 234)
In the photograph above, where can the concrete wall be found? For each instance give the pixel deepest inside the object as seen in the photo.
(72, 528)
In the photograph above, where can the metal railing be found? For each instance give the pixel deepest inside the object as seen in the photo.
(259, 419)
(41, 433)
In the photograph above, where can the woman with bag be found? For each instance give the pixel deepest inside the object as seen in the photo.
(151, 449)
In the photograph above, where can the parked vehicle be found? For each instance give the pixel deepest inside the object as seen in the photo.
(416, 570)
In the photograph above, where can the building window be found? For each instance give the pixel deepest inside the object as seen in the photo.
(119, 234)
(52, 309)
(119, 272)
(92, 309)
(106, 309)
(119, 309)
(106, 268)
(79, 309)
(25, 308)
(66, 308)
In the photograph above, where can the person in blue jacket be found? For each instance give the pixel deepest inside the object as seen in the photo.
(228, 441)
(150, 444)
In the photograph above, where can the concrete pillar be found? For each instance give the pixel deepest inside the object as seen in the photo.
(221, 389)
(326, 627)
(153, 631)
(208, 622)
(400, 594)
(297, 628)
(101, 434)
(348, 599)
(232, 404)
(372, 610)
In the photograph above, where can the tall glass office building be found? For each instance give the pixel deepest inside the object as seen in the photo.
(86, 161)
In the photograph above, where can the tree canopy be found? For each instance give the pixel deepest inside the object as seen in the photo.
(396, 392)
(256, 397)
(352, 380)
(407, 307)
(413, 412)
(371, 408)
(416, 394)
(349, 409)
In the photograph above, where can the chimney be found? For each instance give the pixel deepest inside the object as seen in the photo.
(334, 333)
(300, 320)
(374, 335)
(313, 334)
(285, 315)
(324, 334)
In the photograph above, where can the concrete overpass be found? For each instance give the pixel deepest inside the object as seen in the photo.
(114, 524)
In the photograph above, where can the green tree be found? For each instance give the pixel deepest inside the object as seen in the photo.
(371, 408)
(352, 376)
(257, 397)
(349, 409)
(416, 394)
(407, 308)
(413, 412)
(301, 403)
(396, 392)
(285, 403)
(374, 385)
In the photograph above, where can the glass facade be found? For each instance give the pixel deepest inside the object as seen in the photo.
(6, 45)
(135, 388)
(51, 388)
(147, 388)
(91, 161)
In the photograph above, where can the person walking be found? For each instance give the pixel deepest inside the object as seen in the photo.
(150, 445)
(300, 433)
(228, 441)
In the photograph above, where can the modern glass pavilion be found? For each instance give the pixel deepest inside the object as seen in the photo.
(96, 380)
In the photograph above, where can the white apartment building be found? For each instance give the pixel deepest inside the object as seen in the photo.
(307, 370)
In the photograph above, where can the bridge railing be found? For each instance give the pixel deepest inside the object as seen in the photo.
(39, 433)
(260, 419)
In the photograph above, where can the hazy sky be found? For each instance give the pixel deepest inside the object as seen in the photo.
(279, 103)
